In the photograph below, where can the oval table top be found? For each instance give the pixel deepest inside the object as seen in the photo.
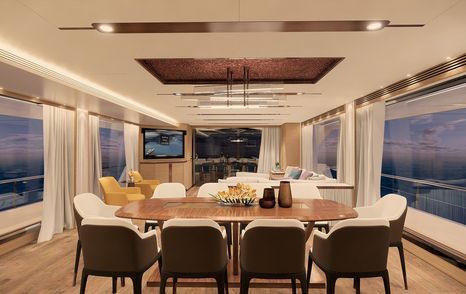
(162, 209)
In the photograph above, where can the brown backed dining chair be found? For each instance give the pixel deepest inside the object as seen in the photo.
(89, 205)
(273, 249)
(114, 248)
(194, 248)
(355, 248)
(393, 208)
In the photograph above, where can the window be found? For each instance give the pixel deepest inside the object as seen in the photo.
(21, 153)
(326, 137)
(220, 153)
(113, 149)
(424, 155)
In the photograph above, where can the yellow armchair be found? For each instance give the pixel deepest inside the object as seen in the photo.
(116, 195)
(147, 186)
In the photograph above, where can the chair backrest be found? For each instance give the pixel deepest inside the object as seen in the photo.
(193, 246)
(86, 205)
(113, 245)
(393, 207)
(169, 190)
(354, 245)
(305, 191)
(272, 246)
(109, 184)
(137, 177)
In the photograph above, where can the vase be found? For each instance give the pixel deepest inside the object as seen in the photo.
(268, 198)
(284, 195)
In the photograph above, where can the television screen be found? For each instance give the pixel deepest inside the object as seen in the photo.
(163, 143)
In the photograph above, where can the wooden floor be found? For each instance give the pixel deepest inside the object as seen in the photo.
(48, 268)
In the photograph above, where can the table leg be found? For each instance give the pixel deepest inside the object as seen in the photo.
(235, 248)
(310, 226)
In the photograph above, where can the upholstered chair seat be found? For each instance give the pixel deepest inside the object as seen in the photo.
(115, 248)
(193, 248)
(273, 249)
(393, 208)
(165, 190)
(147, 186)
(116, 195)
(89, 205)
(355, 248)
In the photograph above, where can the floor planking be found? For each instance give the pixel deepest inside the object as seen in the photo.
(48, 268)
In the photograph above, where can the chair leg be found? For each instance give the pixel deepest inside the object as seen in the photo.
(220, 278)
(386, 282)
(84, 276)
(304, 285)
(403, 266)
(309, 269)
(229, 239)
(163, 283)
(76, 261)
(226, 281)
(122, 281)
(175, 280)
(114, 284)
(137, 283)
(293, 285)
(327, 228)
(357, 285)
(331, 280)
(244, 283)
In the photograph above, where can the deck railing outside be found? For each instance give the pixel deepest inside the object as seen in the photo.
(21, 191)
(445, 200)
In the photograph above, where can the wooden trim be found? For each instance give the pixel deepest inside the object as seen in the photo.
(335, 187)
(241, 26)
(437, 262)
(325, 116)
(428, 77)
(19, 239)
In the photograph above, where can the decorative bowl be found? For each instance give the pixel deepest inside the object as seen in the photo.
(239, 195)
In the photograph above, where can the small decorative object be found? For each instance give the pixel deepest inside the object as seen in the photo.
(284, 195)
(130, 176)
(268, 200)
(241, 194)
(277, 166)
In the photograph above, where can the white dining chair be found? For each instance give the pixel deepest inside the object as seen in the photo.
(309, 191)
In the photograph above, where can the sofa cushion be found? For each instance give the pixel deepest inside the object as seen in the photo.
(295, 174)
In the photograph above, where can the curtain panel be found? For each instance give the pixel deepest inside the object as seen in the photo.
(131, 138)
(307, 148)
(370, 123)
(269, 152)
(88, 153)
(58, 171)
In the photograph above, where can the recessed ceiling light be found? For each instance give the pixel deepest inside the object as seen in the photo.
(381, 87)
(105, 28)
(374, 26)
(408, 75)
(448, 58)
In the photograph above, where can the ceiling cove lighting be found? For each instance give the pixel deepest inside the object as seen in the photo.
(105, 28)
(44, 69)
(375, 26)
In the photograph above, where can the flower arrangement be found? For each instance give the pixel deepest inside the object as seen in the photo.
(241, 194)
(131, 176)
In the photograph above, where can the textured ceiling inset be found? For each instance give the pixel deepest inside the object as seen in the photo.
(305, 70)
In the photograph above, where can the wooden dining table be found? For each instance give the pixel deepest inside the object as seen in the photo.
(305, 210)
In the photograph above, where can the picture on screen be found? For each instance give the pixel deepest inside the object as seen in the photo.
(163, 143)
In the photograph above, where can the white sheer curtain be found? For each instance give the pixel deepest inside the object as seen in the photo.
(307, 148)
(131, 134)
(58, 171)
(88, 153)
(341, 172)
(370, 123)
(269, 152)
(349, 144)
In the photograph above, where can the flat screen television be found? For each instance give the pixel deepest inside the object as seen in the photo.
(160, 143)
